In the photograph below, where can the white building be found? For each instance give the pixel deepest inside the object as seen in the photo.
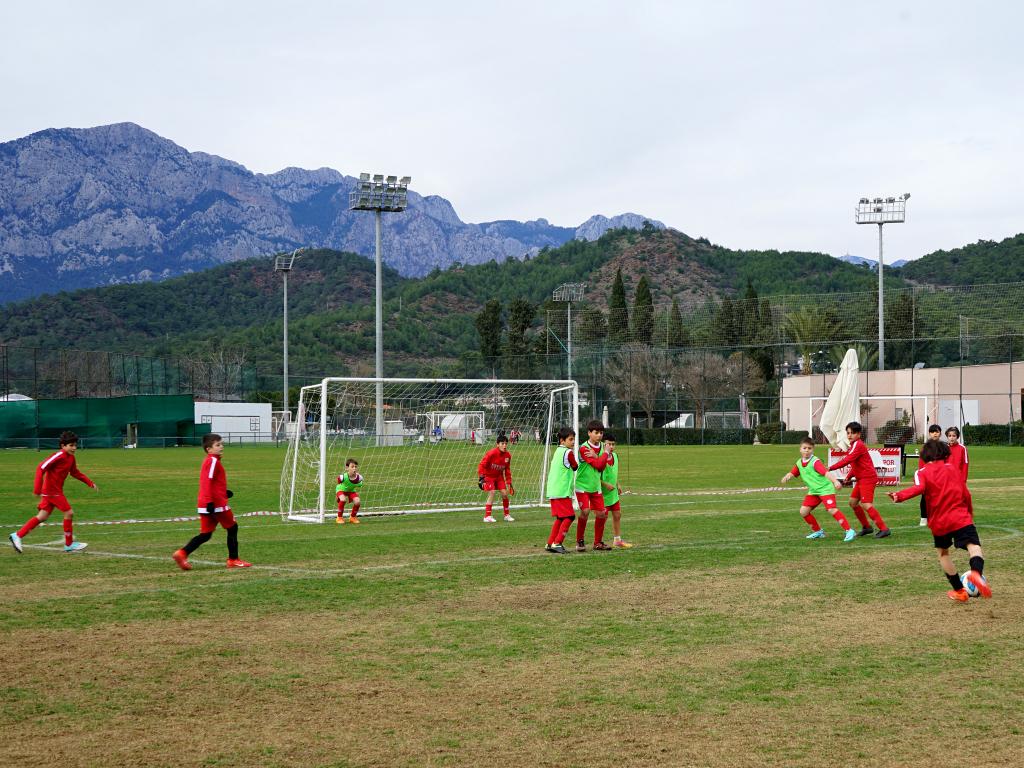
(238, 422)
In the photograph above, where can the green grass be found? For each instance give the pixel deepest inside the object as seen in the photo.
(723, 639)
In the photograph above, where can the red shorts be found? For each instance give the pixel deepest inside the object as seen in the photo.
(615, 507)
(494, 485)
(48, 503)
(863, 491)
(352, 496)
(561, 508)
(208, 520)
(588, 501)
(829, 500)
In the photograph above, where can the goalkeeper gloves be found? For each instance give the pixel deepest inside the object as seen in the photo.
(230, 494)
(480, 482)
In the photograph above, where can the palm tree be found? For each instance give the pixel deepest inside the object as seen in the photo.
(810, 329)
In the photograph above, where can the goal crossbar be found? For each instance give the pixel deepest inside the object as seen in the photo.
(923, 415)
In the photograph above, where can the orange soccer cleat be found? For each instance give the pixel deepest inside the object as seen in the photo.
(182, 560)
(979, 583)
(236, 563)
(960, 595)
(354, 520)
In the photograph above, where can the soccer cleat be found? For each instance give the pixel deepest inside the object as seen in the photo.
(581, 546)
(75, 546)
(600, 546)
(16, 542)
(883, 533)
(960, 595)
(490, 519)
(924, 522)
(980, 583)
(850, 535)
(181, 558)
(354, 520)
(340, 521)
(236, 563)
(555, 549)
(620, 544)
(509, 519)
(818, 534)
(867, 529)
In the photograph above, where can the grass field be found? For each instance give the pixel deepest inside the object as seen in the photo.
(723, 639)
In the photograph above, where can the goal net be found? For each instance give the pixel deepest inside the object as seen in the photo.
(419, 441)
(886, 419)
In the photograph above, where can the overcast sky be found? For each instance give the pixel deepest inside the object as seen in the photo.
(755, 124)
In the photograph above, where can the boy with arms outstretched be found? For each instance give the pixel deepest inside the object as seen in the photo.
(49, 485)
(592, 462)
(862, 499)
(213, 508)
(495, 474)
(821, 485)
(950, 517)
(347, 490)
(559, 489)
(611, 490)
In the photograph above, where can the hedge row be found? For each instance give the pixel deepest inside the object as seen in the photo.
(994, 434)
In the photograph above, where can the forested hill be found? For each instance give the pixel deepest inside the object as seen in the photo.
(982, 262)
(429, 321)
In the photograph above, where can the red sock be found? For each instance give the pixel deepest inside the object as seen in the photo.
(504, 505)
(563, 529)
(555, 527)
(841, 519)
(581, 528)
(354, 512)
(31, 523)
(599, 524)
(488, 508)
(68, 535)
(861, 517)
(877, 518)
(341, 509)
(812, 521)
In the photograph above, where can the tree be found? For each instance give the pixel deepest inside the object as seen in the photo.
(518, 363)
(643, 373)
(591, 327)
(712, 377)
(810, 329)
(643, 312)
(725, 323)
(678, 336)
(488, 326)
(618, 313)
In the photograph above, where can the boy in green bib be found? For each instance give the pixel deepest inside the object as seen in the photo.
(821, 486)
(561, 475)
(612, 491)
(347, 490)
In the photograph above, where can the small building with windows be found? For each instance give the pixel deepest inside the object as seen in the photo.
(238, 422)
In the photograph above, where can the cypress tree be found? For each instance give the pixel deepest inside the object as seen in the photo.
(643, 312)
(618, 312)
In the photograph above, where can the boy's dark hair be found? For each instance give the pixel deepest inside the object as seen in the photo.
(595, 426)
(351, 461)
(855, 427)
(934, 428)
(609, 436)
(209, 439)
(934, 450)
(565, 432)
(502, 438)
(68, 437)
(954, 430)
(808, 441)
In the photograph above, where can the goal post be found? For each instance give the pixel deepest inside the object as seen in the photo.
(434, 433)
(877, 411)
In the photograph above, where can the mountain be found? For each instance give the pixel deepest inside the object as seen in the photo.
(860, 261)
(982, 262)
(120, 204)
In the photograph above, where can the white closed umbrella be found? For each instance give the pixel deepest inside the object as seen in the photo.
(843, 404)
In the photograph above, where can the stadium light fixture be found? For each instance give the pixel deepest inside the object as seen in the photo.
(284, 264)
(569, 292)
(891, 210)
(380, 195)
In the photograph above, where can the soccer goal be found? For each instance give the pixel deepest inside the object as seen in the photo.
(892, 413)
(418, 441)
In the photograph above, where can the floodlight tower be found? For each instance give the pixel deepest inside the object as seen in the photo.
(284, 264)
(380, 195)
(569, 292)
(891, 210)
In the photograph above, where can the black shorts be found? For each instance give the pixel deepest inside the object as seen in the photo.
(959, 538)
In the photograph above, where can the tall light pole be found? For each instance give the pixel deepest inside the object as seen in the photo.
(284, 264)
(569, 292)
(380, 195)
(891, 210)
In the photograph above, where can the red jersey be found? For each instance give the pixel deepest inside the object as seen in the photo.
(948, 500)
(213, 484)
(920, 461)
(860, 463)
(51, 474)
(496, 464)
(958, 459)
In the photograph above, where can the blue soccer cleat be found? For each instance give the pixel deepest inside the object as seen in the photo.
(75, 546)
(819, 534)
(16, 542)
(850, 535)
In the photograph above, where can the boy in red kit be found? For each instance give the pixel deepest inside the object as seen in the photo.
(957, 452)
(592, 461)
(495, 474)
(950, 517)
(559, 489)
(347, 490)
(862, 500)
(934, 433)
(50, 477)
(213, 507)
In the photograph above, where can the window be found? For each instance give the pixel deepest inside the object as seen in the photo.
(254, 424)
(207, 419)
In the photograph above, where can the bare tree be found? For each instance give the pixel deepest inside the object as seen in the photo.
(641, 374)
(709, 376)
